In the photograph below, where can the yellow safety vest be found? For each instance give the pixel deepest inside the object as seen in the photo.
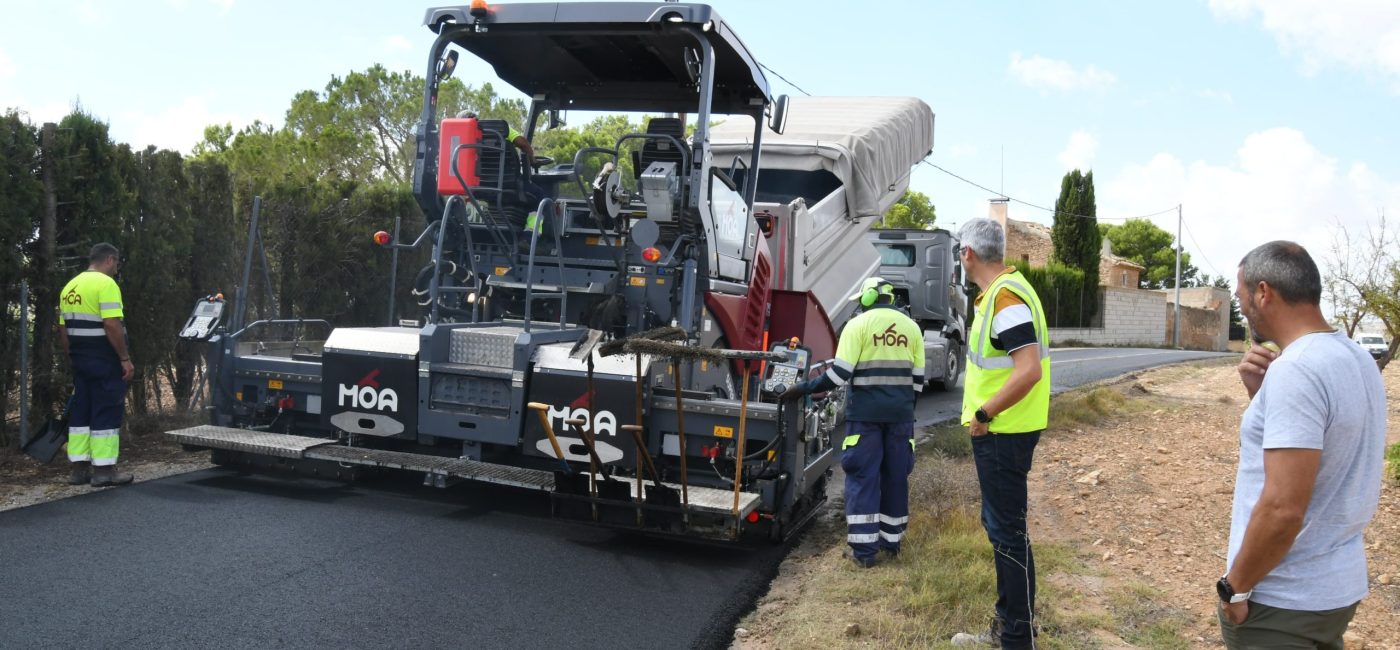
(989, 368)
(85, 301)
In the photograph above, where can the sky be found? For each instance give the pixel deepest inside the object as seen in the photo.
(1262, 119)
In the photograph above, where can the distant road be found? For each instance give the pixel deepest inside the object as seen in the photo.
(1069, 368)
(213, 559)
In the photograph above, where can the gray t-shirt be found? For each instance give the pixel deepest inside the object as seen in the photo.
(1324, 392)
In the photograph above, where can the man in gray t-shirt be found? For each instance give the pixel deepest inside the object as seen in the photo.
(1311, 454)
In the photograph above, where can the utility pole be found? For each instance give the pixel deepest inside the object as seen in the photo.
(45, 392)
(1176, 313)
(23, 361)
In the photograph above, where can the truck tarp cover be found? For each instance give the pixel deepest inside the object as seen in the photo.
(869, 143)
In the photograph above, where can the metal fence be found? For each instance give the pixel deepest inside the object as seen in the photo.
(1072, 308)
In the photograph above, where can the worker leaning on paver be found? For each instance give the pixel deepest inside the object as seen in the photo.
(881, 354)
(91, 331)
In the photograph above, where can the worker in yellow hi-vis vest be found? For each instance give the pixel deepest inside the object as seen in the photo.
(881, 355)
(1006, 404)
(93, 334)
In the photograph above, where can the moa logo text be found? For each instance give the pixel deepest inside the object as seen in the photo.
(890, 337)
(366, 395)
(603, 421)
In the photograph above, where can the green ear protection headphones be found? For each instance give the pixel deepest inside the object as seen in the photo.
(869, 296)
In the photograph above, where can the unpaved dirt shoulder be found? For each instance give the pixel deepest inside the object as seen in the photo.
(1148, 499)
(1143, 498)
(25, 482)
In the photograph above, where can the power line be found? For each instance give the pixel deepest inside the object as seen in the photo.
(1059, 213)
(1200, 250)
(983, 187)
(784, 80)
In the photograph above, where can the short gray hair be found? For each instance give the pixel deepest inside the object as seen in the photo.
(101, 252)
(985, 238)
(1287, 268)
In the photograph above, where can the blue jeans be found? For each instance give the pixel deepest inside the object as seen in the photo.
(1003, 461)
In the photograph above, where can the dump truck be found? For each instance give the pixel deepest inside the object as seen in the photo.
(611, 330)
(929, 285)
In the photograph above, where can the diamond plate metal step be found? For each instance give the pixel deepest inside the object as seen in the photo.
(703, 499)
(459, 467)
(253, 442)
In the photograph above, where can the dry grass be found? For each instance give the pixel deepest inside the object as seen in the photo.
(1093, 405)
(944, 581)
(1392, 462)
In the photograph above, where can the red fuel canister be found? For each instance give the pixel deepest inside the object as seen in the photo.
(455, 132)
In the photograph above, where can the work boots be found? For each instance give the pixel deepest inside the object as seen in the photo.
(82, 473)
(108, 476)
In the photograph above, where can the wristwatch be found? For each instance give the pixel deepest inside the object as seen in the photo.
(983, 417)
(1227, 593)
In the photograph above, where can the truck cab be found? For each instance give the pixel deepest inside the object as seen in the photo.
(924, 268)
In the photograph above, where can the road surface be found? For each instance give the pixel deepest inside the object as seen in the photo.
(214, 559)
(1069, 367)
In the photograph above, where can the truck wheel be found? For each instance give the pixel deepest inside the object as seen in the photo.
(952, 367)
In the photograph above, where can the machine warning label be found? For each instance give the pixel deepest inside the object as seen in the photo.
(637, 282)
(724, 432)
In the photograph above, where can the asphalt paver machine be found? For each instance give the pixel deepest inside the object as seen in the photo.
(615, 338)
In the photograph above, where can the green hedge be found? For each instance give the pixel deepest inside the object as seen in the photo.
(1070, 299)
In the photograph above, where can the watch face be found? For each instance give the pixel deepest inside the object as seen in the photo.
(1222, 587)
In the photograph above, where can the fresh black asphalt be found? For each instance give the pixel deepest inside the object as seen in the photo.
(214, 559)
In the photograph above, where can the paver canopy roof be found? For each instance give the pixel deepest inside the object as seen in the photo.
(609, 56)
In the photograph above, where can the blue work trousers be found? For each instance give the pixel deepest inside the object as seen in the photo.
(877, 458)
(1003, 461)
(95, 415)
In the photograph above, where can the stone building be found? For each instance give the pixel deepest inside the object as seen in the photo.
(1028, 244)
(1131, 316)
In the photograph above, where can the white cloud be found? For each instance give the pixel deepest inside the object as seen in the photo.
(1080, 152)
(7, 66)
(1051, 74)
(1278, 187)
(1361, 34)
(178, 127)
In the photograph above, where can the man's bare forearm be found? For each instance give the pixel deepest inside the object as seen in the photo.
(1289, 476)
(1267, 539)
(116, 336)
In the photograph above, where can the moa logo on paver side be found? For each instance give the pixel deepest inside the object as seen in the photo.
(366, 394)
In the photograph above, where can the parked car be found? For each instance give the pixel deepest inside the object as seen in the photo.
(1372, 343)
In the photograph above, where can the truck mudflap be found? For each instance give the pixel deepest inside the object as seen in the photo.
(612, 493)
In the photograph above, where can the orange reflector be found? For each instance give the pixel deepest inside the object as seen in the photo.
(479, 8)
(382, 238)
(753, 517)
(651, 254)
